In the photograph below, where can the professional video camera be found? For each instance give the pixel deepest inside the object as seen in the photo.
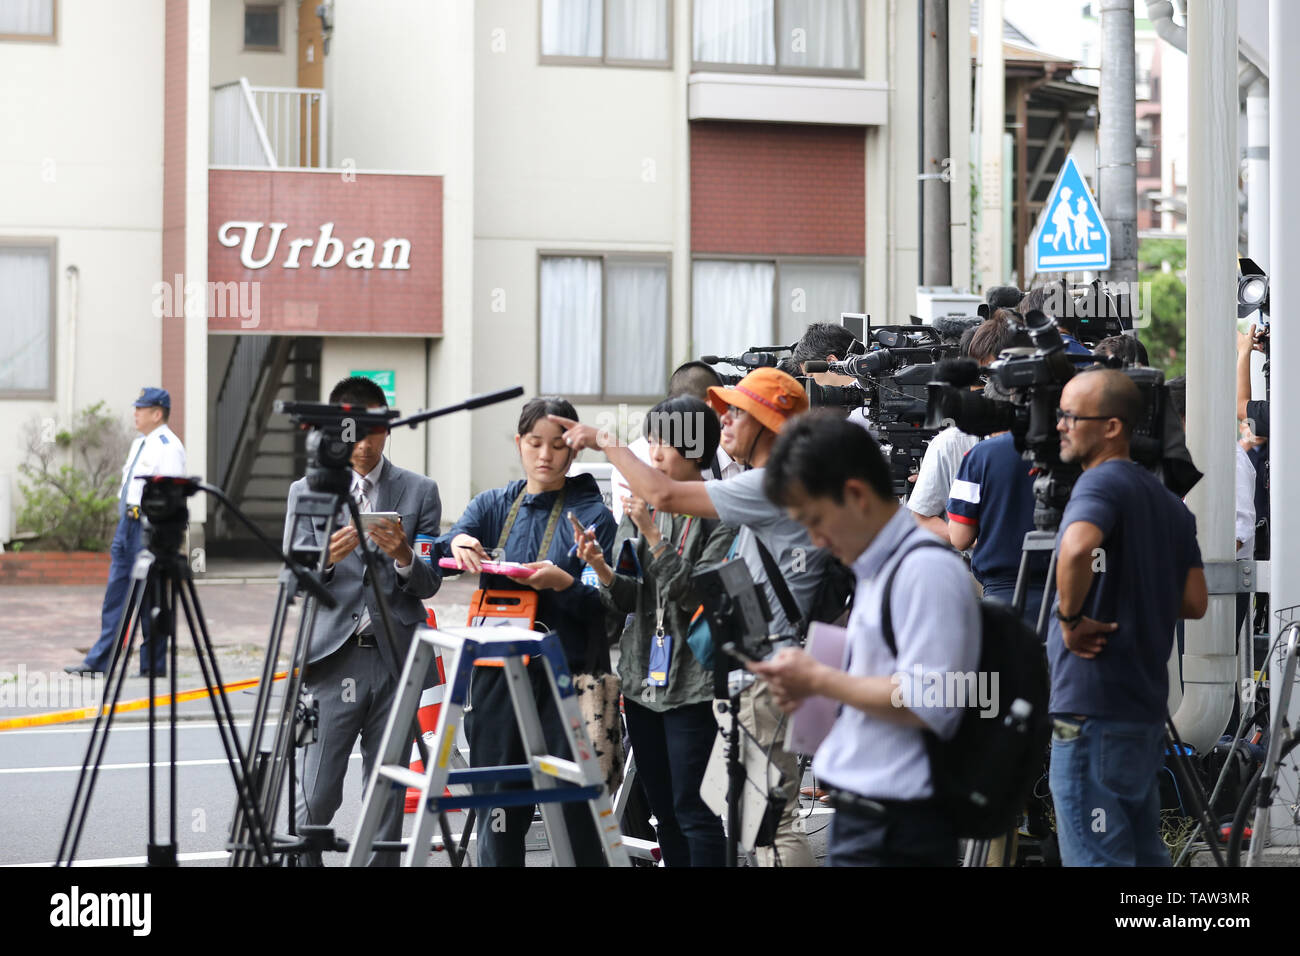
(1026, 394)
(1096, 310)
(333, 431)
(757, 357)
(893, 381)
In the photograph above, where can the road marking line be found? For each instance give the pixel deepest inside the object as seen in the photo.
(129, 860)
(130, 766)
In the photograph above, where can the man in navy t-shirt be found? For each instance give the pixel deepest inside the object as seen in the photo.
(991, 504)
(1128, 569)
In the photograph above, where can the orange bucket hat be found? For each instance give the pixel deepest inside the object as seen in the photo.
(771, 396)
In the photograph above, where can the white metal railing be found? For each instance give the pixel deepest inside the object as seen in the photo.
(269, 126)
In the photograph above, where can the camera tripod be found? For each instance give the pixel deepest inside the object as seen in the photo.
(161, 587)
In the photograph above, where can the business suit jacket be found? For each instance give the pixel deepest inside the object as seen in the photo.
(415, 498)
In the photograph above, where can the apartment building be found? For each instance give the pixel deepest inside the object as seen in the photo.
(247, 201)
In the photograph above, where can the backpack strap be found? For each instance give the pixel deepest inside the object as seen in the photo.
(777, 580)
(886, 623)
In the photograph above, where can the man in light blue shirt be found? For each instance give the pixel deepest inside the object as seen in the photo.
(832, 478)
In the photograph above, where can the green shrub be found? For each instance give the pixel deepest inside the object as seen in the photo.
(72, 477)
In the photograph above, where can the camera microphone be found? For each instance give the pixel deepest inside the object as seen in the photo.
(960, 373)
(747, 360)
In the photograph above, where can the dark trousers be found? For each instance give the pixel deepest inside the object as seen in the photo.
(494, 741)
(905, 834)
(672, 749)
(355, 691)
(1005, 591)
(122, 552)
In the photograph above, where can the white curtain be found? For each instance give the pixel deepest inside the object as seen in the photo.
(34, 17)
(572, 27)
(731, 306)
(570, 330)
(815, 292)
(735, 31)
(25, 319)
(638, 30)
(820, 34)
(636, 328)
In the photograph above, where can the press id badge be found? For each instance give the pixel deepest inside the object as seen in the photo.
(661, 654)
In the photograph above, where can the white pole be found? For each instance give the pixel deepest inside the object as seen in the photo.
(992, 245)
(1209, 660)
(1284, 252)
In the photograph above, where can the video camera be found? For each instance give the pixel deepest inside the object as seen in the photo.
(1025, 397)
(757, 357)
(333, 431)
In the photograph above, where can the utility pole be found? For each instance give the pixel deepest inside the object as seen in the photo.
(992, 265)
(936, 221)
(1117, 138)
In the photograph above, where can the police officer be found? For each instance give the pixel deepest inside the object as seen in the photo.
(156, 452)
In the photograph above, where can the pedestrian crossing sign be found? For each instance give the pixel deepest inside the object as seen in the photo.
(1071, 235)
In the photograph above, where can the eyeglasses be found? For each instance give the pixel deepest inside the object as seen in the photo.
(736, 412)
(1072, 419)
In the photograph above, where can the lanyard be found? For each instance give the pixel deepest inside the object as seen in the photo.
(550, 524)
(661, 599)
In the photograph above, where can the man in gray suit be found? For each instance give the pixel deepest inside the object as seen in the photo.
(351, 670)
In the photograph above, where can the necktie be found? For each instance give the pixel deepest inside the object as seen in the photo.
(363, 504)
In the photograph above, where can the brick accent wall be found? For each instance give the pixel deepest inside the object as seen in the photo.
(778, 189)
(319, 300)
(49, 568)
(176, 36)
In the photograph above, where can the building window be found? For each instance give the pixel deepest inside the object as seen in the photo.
(27, 20)
(604, 327)
(617, 32)
(262, 27)
(782, 36)
(26, 319)
(739, 304)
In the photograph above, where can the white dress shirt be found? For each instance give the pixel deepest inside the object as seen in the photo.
(936, 625)
(158, 453)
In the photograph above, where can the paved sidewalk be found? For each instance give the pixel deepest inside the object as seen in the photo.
(42, 629)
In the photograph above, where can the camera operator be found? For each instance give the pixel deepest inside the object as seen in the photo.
(345, 645)
(1126, 348)
(833, 478)
(826, 342)
(991, 503)
(943, 456)
(753, 413)
(1128, 568)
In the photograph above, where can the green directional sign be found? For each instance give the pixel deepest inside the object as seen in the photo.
(385, 378)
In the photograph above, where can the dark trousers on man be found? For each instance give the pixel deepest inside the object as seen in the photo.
(903, 833)
(122, 552)
(494, 741)
(672, 749)
(355, 690)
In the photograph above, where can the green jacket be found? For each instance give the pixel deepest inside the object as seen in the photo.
(688, 681)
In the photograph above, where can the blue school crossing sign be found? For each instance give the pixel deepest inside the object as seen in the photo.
(1072, 235)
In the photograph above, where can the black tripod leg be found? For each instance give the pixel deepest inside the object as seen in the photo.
(124, 641)
(225, 718)
(1190, 785)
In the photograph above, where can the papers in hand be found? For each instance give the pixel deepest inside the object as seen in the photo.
(814, 717)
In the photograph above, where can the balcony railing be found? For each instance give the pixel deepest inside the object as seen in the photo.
(269, 126)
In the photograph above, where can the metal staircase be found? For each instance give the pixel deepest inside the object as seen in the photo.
(258, 454)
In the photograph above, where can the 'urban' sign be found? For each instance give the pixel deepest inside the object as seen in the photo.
(328, 252)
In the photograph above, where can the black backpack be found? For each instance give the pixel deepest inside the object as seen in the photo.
(984, 774)
(831, 603)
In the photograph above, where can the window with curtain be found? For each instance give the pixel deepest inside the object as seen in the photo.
(27, 18)
(731, 305)
(604, 326)
(815, 292)
(26, 318)
(609, 31)
(795, 36)
(739, 304)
